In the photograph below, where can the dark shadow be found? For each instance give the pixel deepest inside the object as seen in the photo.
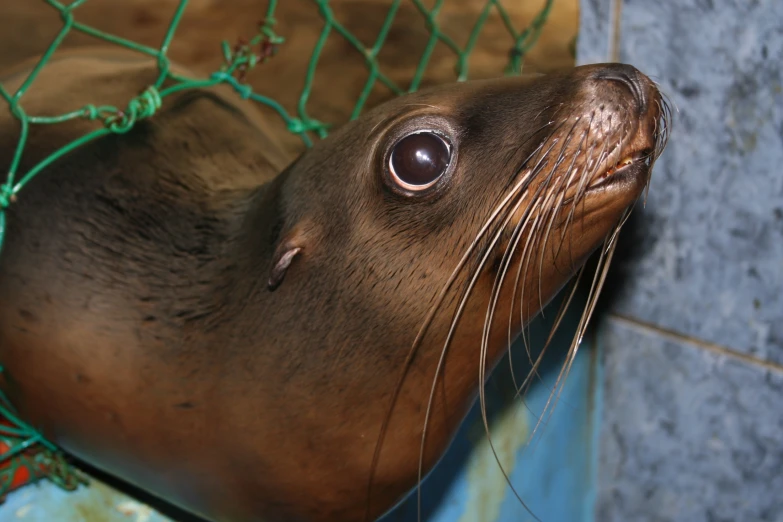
(156, 503)
(631, 246)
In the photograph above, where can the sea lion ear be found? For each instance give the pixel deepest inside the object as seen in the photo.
(289, 247)
(282, 259)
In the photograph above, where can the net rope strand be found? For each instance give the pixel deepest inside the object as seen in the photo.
(26, 446)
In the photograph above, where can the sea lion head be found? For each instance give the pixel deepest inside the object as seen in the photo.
(438, 224)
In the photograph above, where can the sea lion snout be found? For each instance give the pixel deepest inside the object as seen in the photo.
(618, 84)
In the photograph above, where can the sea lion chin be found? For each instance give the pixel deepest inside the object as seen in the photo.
(299, 346)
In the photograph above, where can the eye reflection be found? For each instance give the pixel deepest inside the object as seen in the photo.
(418, 160)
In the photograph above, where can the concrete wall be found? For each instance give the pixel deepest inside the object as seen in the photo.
(692, 351)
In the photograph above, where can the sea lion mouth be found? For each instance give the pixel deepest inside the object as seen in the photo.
(630, 159)
(633, 165)
(591, 167)
(627, 164)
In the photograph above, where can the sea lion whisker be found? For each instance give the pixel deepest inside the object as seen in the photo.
(534, 242)
(661, 133)
(564, 305)
(546, 108)
(562, 190)
(524, 163)
(616, 232)
(551, 216)
(585, 180)
(595, 289)
(667, 101)
(482, 399)
(571, 213)
(494, 297)
(604, 264)
(505, 262)
(557, 113)
(428, 105)
(534, 209)
(545, 154)
(504, 265)
(540, 154)
(523, 268)
(533, 372)
(561, 157)
(523, 260)
(536, 151)
(586, 177)
(594, 165)
(585, 135)
(603, 156)
(517, 189)
(568, 222)
(425, 325)
(665, 121)
(506, 258)
(605, 260)
(452, 328)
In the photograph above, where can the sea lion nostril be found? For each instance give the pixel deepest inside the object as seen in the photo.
(630, 77)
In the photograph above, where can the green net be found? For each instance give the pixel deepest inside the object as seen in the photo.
(22, 447)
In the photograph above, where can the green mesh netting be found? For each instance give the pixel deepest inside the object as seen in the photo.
(23, 446)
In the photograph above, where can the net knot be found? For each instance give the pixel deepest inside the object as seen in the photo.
(91, 112)
(244, 90)
(298, 126)
(7, 196)
(141, 107)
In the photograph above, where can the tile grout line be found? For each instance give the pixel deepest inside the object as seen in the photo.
(596, 418)
(651, 328)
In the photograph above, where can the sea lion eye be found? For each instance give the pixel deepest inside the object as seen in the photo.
(418, 160)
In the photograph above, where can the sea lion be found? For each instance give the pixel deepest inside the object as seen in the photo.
(257, 343)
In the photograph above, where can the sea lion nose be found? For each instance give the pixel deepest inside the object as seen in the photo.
(630, 77)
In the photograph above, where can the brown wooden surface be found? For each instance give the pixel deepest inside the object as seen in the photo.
(342, 73)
